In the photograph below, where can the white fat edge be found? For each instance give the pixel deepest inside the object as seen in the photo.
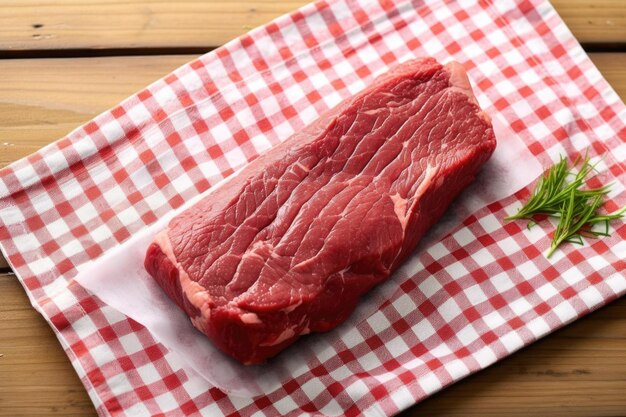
(197, 295)
(291, 307)
(400, 204)
(288, 333)
(250, 318)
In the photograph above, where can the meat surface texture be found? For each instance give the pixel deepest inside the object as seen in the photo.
(290, 244)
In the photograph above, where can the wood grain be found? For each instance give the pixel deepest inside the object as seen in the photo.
(613, 68)
(41, 100)
(93, 24)
(578, 371)
(36, 378)
(593, 21)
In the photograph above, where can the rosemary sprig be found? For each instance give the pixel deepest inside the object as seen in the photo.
(552, 190)
(576, 209)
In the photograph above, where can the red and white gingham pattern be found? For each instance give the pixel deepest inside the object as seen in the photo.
(482, 292)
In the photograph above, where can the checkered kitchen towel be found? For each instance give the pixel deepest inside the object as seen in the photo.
(482, 292)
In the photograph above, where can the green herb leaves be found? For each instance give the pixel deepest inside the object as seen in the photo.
(576, 209)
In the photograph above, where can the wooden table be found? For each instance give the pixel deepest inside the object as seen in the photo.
(63, 62)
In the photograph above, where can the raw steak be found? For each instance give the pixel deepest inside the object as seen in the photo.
(288, 245)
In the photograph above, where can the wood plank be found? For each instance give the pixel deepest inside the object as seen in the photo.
(87, 24)
(578, 371)
(613, 68)
(42, 100)
(37, 377)
(593, 21)
(93, 24)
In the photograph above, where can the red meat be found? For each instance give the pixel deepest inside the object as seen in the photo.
(290, 244)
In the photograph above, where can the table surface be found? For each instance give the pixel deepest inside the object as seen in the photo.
(64, 62)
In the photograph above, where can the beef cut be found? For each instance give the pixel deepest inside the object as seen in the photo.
(289, 245)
